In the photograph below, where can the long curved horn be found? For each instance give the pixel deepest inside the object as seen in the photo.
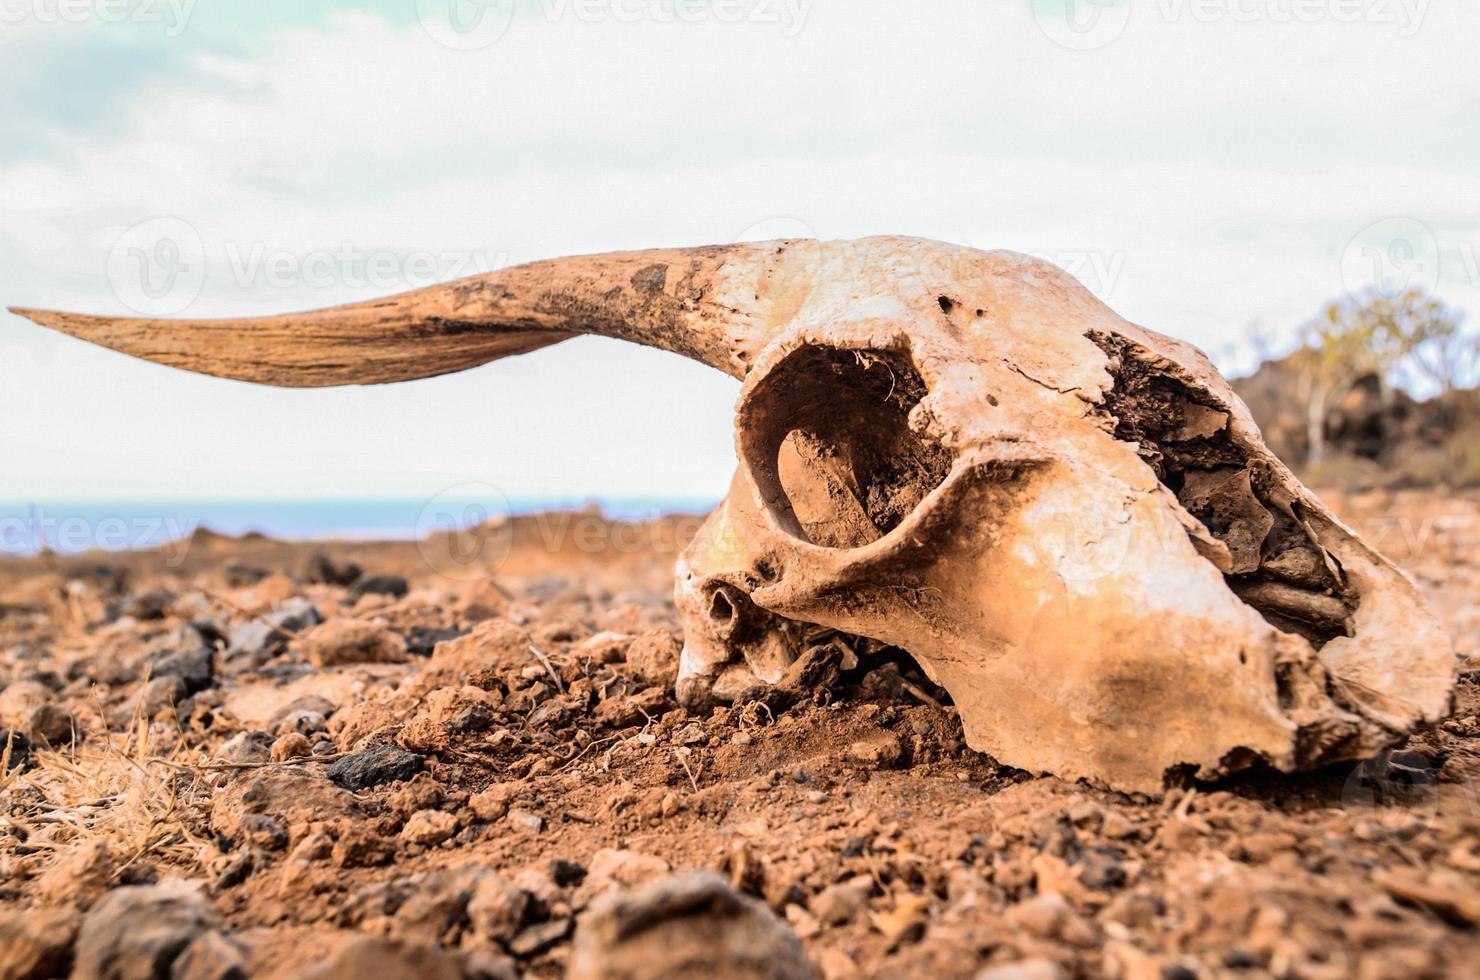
(709, 304)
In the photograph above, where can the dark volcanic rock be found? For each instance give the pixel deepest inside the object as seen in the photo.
(375, 765)
(195, 668)
(322, 568)
(391, 585)
(422, 640)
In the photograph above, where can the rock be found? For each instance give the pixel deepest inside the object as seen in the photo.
(623, 711)
(566, 874)
(248, 747)
(158, 694)
(614, 869)
(361, 847)
(421, 641)
(210, 956)
(321, 568)
(497, 909)
(375, 765)
(551, 714)
(447, 714)
(302, 722)
(36, 943)
(364, 722)
(1049, 916)
(606, 647)
(686, 925)
(905, 922)
(843, 902)
(691, 734)
(540, 937)
(653, 656)
(391, 585)
(434, 904)
(139, 931)
(255, 641)
(79, 877)
(260, 830)
(1102, 868)
(294, 615)
(429, 827)
(19, 748)
(267, 593)
(883, 751)
(493, 802)
(196, 669)
(353, 641)
(289, 795)
(385, 959)
(198, 633)
(310, 703)
(19, 699)
(50, 725)
(526, 821)
(145, 606)
(239, 575)
(293, 745)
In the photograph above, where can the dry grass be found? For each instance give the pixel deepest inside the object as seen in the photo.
(126, 790)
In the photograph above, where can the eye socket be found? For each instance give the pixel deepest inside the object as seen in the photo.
(827, 438)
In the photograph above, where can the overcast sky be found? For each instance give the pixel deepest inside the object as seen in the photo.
(1200, 165)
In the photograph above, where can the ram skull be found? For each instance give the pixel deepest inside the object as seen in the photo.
(1069, 521)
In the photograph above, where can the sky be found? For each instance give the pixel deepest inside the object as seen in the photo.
(1207, 167)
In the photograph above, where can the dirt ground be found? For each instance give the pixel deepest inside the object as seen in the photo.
(247, 758)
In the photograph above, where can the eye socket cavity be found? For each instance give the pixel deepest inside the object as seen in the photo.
(827, 438)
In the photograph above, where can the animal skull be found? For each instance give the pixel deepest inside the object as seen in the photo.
(1070, 522)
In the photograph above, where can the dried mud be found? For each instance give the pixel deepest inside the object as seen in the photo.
(412, 768)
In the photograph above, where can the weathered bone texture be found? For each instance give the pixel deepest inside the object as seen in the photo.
(1071, 522)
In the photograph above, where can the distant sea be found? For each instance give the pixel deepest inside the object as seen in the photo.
(73, 527)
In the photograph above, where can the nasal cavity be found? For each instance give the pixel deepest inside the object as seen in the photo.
(827, 438)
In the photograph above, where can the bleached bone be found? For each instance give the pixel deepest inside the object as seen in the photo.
(1071, 522)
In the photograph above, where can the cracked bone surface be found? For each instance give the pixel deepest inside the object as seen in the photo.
(1069, 521)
